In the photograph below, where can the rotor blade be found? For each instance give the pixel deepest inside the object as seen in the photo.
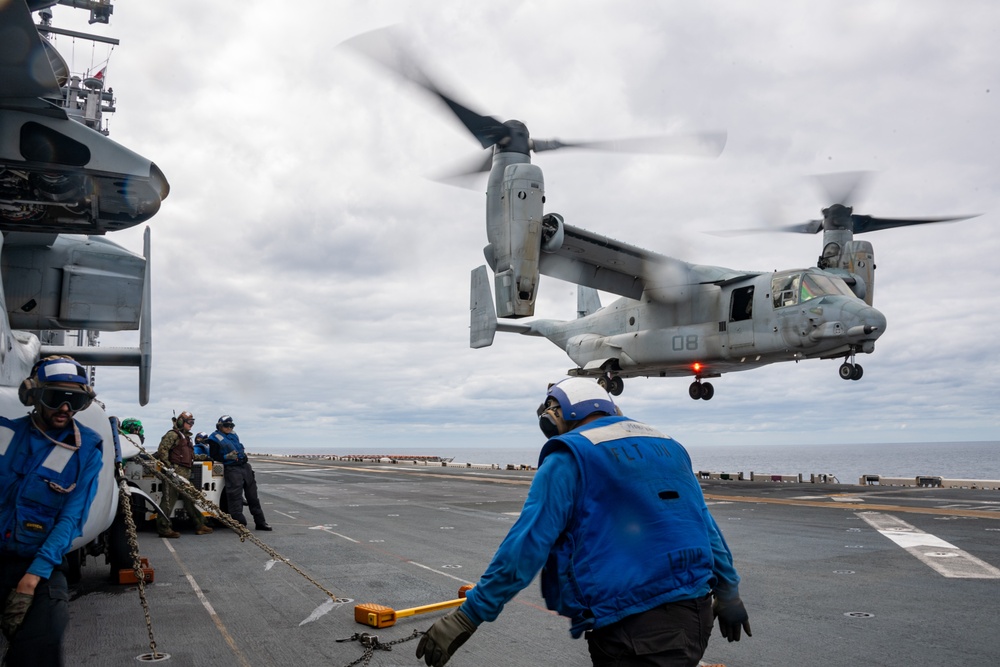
(384, 46)
(844, 187)
(810, 227)
(866, 223)
(466, 174)
(705, 144)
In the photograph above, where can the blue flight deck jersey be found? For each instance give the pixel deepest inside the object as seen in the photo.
(45, 491)
(229, 442)
(614, 539)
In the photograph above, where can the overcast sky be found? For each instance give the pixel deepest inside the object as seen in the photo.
(311, 280)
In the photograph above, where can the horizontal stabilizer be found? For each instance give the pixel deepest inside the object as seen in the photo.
(483, 325)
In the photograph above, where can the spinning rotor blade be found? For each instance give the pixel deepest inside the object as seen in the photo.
(841, 189)
(866, 223)
(466, 173)
(385, 47)
(704, 144)
(844, 187)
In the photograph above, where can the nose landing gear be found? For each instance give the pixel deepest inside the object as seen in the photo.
(851, 371)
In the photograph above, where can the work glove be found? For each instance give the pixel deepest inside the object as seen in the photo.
(443, 638)
(14, 611)
(232, 456)
(732, 615)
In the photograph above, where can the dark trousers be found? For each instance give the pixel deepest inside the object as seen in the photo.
(671, 635)
(38, 642)
(239, 480)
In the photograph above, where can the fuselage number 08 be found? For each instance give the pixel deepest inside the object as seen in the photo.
(689, 342)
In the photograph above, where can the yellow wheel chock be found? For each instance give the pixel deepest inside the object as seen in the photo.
(380, 616)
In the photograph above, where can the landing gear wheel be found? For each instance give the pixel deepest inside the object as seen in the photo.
(616, 386)
(694, 391)
(858, 372)
(847, 371)
(604, 382)
(707, 391)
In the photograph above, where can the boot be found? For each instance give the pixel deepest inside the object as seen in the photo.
(262, 526)
(169, 533)
(202, 530)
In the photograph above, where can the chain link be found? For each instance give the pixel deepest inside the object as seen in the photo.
(125, 499)
(194, 494)
(372, 644)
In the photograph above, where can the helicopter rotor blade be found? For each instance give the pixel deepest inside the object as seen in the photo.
(703, 144)
(384, 46)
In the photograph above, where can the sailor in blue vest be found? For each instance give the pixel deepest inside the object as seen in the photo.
(228, 450)
(49, 465)
(616, 521)
(201, 448)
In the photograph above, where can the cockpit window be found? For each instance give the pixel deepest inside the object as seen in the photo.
(789, 289)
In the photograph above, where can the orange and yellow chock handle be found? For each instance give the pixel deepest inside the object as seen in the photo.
(380, 616)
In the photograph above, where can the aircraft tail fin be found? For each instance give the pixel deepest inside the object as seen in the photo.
(588, 301)
(483, 326)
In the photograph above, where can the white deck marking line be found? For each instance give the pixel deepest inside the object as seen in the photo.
(327, 530)
(943, 557)
(443, 574)
(208, 606)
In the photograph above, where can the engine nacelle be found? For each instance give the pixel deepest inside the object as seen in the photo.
(854, 257)
(515, 257)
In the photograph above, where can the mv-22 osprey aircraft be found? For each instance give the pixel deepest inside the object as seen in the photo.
(64, 185)
(675, 319)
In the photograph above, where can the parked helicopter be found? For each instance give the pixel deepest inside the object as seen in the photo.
(63, 185)
(675, 319)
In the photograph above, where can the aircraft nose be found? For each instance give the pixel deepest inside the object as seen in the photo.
(869, 323)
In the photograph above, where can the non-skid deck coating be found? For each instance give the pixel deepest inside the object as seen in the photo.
(833, 575)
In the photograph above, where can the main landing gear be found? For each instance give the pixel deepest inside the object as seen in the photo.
(851, 371)
(703, 390)
(613, 384)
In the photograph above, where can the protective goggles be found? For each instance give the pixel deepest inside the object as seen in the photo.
(55, 397)
(227, 425)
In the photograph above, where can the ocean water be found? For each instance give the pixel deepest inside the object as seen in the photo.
(847, 462)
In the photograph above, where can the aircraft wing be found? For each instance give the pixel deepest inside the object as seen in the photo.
(26, 72)
(596, 261)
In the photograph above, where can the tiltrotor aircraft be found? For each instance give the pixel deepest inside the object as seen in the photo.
(63, 185)
(675, 319)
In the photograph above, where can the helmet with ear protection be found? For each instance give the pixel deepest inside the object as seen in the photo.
(53, 369)
(576, 399)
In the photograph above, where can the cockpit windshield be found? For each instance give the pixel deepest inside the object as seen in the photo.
(789, 289)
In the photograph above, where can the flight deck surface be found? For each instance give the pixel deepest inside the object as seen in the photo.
(832, 574)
